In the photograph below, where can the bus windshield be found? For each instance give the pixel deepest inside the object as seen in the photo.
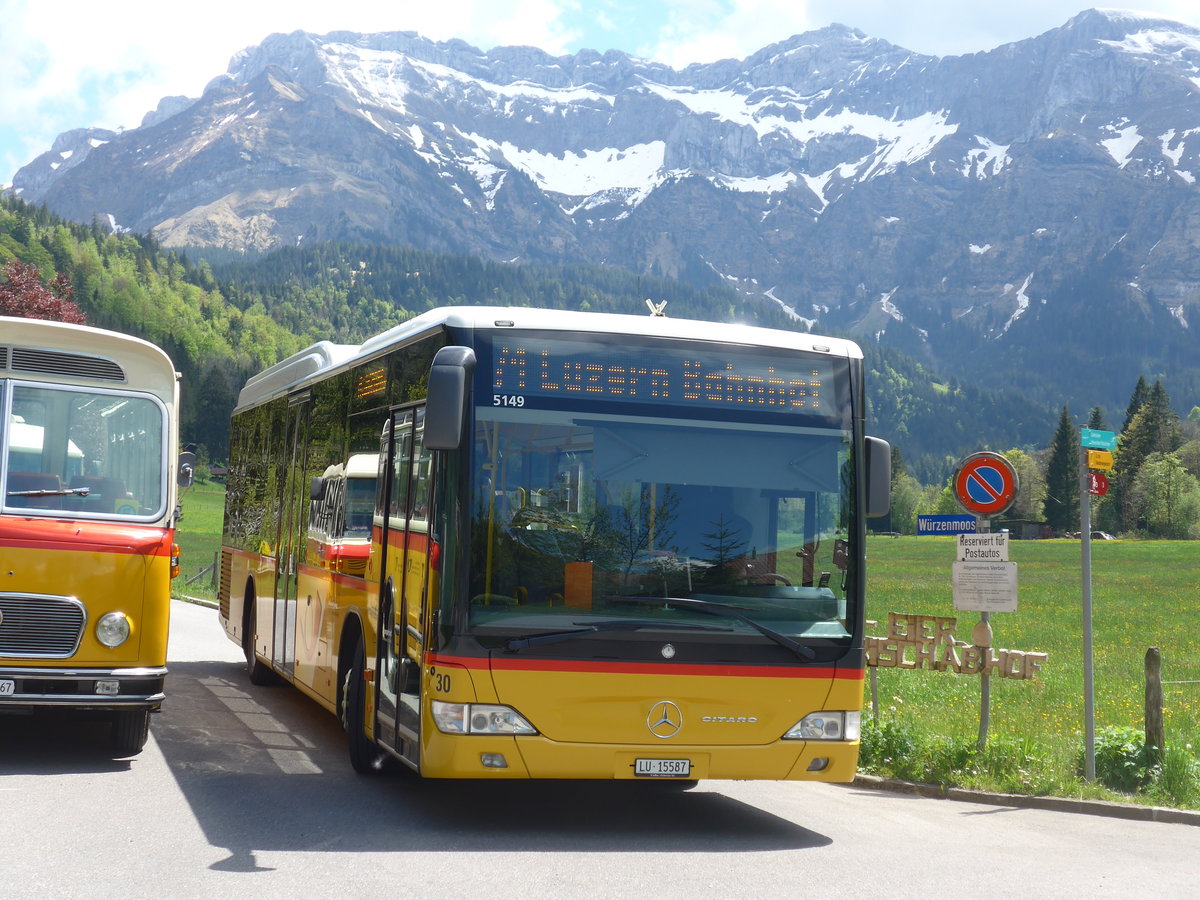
(599, 511)
(84, 452)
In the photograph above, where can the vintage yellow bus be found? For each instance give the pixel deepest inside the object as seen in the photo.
(88, 438)
(598, 546)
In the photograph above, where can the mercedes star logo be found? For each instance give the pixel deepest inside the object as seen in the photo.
(664, 720)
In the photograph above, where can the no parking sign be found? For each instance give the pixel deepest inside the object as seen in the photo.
(985, 484)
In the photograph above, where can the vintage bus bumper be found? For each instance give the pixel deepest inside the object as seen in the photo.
(81, 688)
(535, 756)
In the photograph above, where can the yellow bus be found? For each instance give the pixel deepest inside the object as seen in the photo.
(600, 546)
(88, 438)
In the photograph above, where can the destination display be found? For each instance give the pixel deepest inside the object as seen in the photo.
(525, 367)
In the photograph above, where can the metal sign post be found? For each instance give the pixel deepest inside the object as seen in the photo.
(1096, 443)
(983, 630)
(985, 484)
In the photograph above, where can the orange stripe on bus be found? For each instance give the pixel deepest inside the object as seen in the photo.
(85, 537)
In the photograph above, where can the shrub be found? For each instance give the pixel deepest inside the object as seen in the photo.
(1123, 761)
(1176, 780)
(888, 747)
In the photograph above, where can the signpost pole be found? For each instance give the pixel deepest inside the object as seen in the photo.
(1085, 544)
(983, 525)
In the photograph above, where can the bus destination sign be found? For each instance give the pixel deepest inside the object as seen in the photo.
(525, 367)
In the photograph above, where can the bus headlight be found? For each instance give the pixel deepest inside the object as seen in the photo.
(478, 718)
(827, 726)
(113, 629)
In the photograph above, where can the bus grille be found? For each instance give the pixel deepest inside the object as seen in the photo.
(38, 626)
(54, 362)
(226, 581)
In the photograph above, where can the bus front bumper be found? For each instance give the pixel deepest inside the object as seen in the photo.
(25, 688)
(469, 756)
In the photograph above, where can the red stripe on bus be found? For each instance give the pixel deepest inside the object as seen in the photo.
(316, 572)
(84, 537)
(645, 668)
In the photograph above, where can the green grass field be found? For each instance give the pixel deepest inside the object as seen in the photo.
(199, 539)
(1144, 594)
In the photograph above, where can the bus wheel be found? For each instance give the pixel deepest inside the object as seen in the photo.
(364, 755)
(130, 729)
(256, 670)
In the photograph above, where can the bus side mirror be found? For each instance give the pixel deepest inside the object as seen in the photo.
(449, 388)
(879, 477)
(316, 489)
(187, 469)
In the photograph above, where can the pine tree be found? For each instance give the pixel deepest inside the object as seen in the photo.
(1096, 419)
(1062, 476)
(1141, 393)
(1154, 428)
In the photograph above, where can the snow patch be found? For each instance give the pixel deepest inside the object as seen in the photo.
(1022, 302)
(980, 249)
(770, 184)
(588, 173)
(886, 304)
(1121, 147)
(789, 311)
(987, 160)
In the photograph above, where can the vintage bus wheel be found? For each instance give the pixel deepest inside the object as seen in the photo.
(364, 755)
(256, 670)
(130, 729)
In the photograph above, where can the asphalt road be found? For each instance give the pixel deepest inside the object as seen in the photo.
(247, 791)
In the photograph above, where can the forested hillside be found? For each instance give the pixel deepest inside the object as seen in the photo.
(224, 317)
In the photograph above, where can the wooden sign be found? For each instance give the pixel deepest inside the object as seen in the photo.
(928, 642)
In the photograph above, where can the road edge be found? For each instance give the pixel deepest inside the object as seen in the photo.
(1108, 808)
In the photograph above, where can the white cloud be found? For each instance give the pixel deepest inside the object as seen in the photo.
(708, 30)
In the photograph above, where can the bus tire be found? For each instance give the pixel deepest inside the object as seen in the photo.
(257, 671)
(364, 755)
(130, 729)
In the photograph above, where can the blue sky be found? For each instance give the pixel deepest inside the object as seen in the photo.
(76, 63)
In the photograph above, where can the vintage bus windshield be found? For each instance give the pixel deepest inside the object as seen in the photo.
(94, 453)
(710, 474)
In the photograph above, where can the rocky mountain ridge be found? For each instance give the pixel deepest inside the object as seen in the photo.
(959, 208)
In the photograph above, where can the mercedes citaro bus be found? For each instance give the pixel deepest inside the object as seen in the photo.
(590, 546)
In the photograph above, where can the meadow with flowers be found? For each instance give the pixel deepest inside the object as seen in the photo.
(1144, 594)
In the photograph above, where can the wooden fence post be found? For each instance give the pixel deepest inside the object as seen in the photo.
(1155, 733)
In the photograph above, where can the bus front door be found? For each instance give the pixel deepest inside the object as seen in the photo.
(404, 584)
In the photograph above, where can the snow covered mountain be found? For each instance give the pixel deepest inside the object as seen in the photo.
(948, 205)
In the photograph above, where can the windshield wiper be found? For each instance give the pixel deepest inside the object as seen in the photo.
(55, 492)
(720, 609)
(549, 637)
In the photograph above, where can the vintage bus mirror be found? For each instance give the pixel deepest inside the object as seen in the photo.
(446, 407)
(879, 477)
(316, 489)
(187, 469)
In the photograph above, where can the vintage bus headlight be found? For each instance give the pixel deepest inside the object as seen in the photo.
(827, 726)
(478, 718)
(113, 629)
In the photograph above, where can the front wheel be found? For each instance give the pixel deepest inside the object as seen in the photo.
(130, 729)
(364, 754)
(258, 672)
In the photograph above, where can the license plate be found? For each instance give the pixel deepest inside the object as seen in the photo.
(662, 768)
(7, 687)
